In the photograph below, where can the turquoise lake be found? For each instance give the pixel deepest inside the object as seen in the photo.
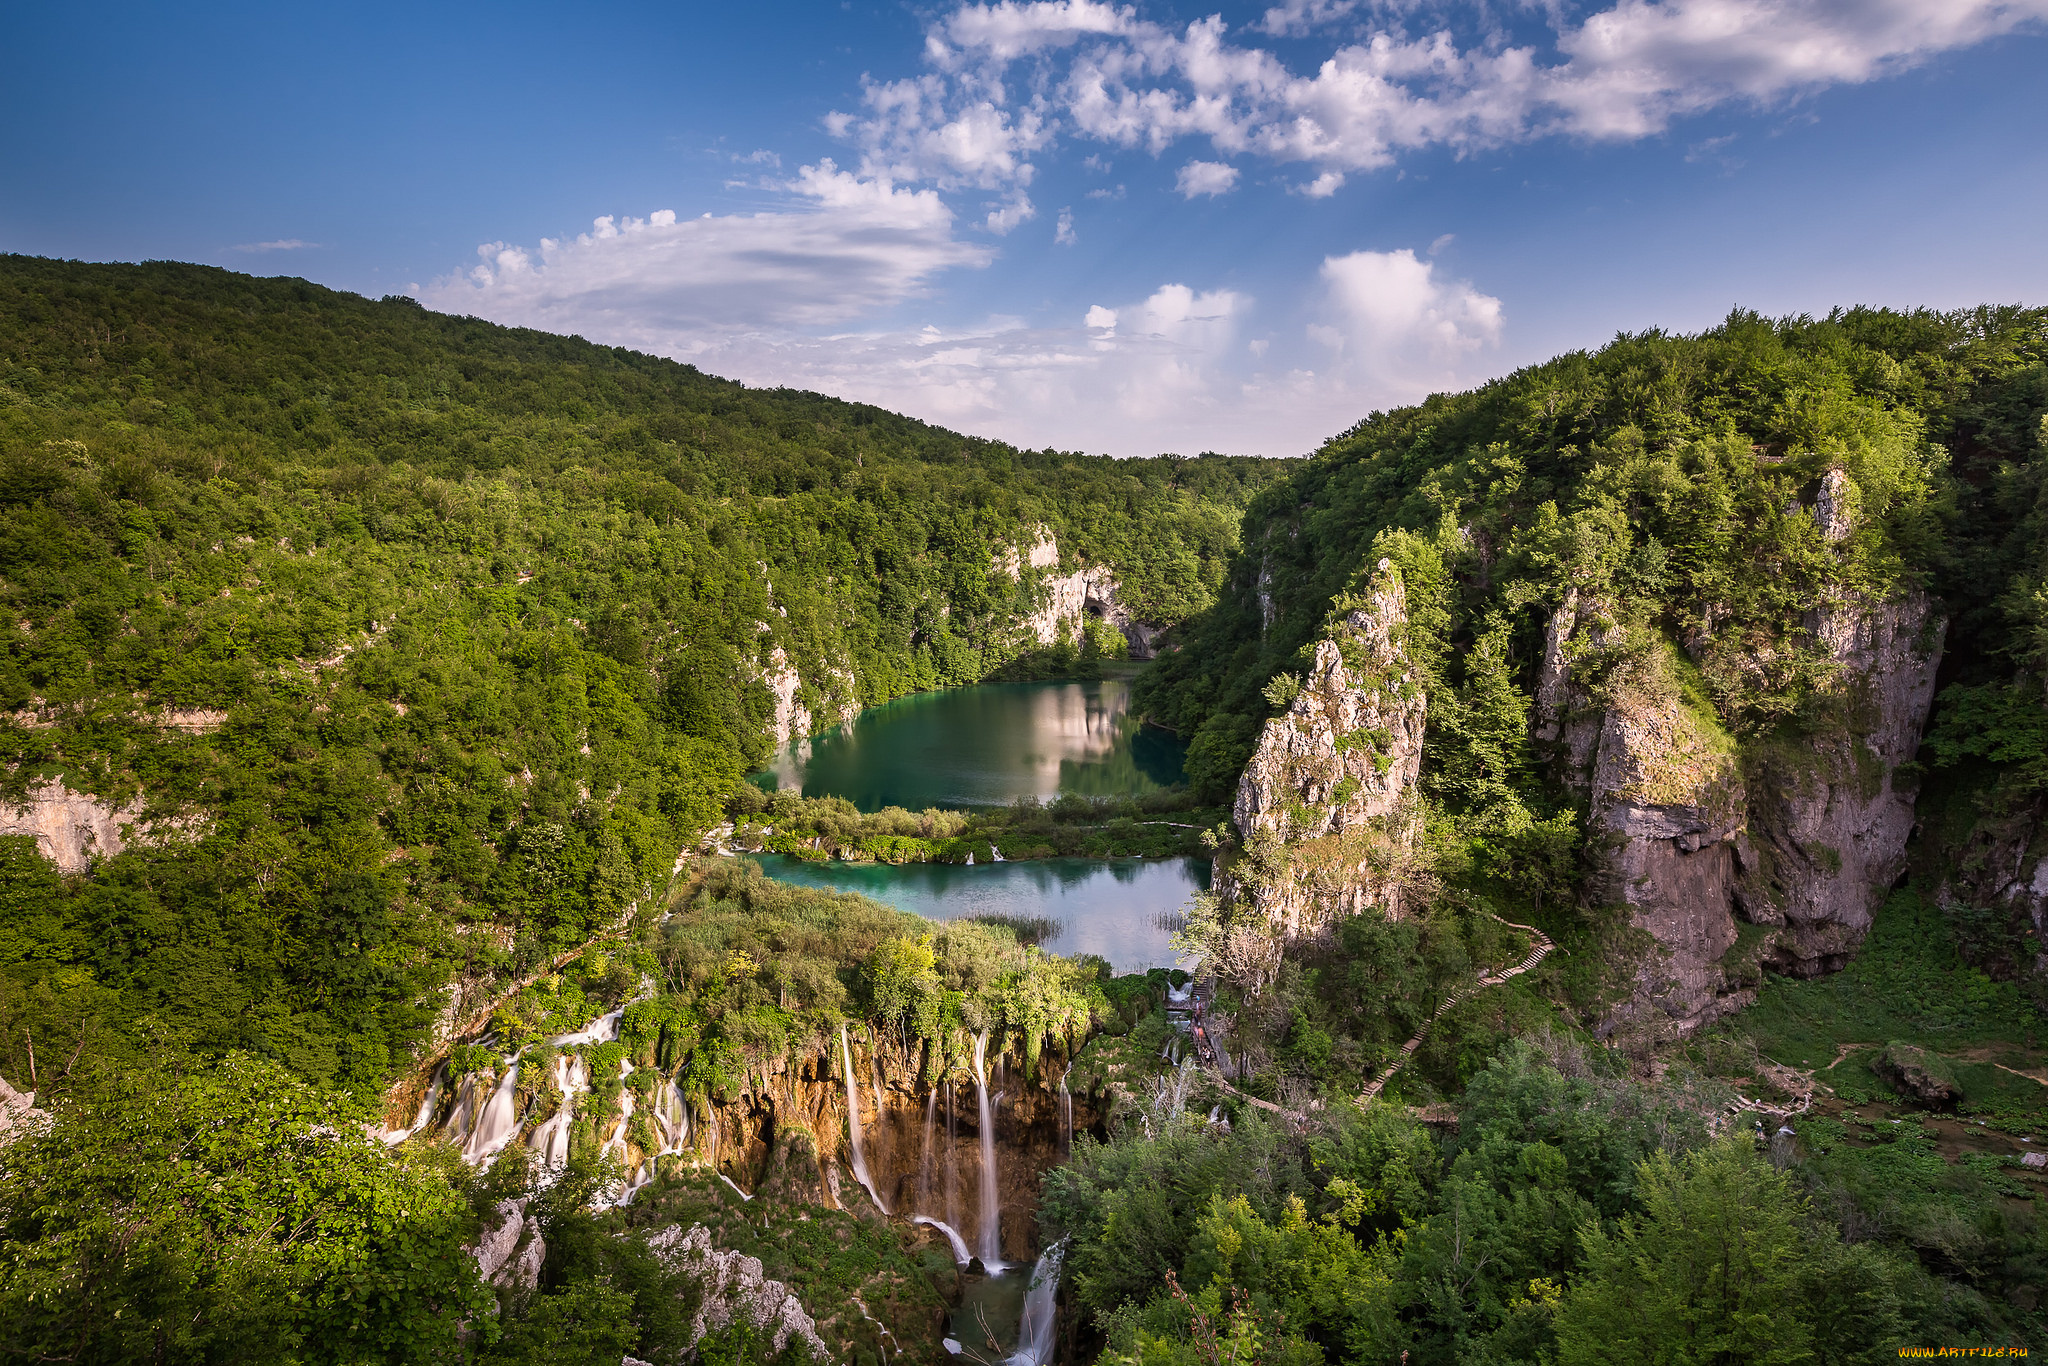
(985, 746)
(988, 746)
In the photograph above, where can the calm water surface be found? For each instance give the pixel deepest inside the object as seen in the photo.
(985, 746)
(988, 746)
(1110, 907)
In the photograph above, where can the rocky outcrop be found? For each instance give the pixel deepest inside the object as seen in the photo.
(736, 1291)
(1322, 808)
(510, 1254)
(1828, 820)
(71, 828)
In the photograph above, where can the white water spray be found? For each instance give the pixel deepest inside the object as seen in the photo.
(990, 1233)
(860, 1158)
(952, 1160)
(498, 1121)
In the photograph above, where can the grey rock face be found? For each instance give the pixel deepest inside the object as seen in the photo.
(18, 1114)
(1323, 792)
(1827, 825)
(736, 1290)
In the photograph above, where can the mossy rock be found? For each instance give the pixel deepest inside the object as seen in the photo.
(1919, 1074)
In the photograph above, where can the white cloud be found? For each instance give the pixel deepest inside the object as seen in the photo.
(1007, 215)
(1007, 80)
(1206, 177)
(1100, 317)
(282, 244)
(854, 247)
(1324, 185)
(1063, 231)
(1401, 328)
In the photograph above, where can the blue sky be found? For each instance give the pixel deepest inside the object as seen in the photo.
(1111, 228)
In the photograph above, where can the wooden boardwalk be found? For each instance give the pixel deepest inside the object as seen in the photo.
(1542, 949)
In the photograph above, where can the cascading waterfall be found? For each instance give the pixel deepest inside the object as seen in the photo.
(960, 1252)
(860, 1158)
(498, 1121)
(990, 1232)
(1041, 1310)
(433, 1098)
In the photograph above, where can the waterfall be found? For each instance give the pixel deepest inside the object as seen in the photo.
(952, 1160)
(924, 1167)
(960, 1252)
(1041, 1310)
(498, 1120)
(860, 1159)
(990, 1233)
(1066, 1116)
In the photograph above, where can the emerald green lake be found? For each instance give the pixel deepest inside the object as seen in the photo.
(988, 746)
(985, 746)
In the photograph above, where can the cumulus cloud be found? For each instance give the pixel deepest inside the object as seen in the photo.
(1063, 231)
(1401, 320)
(1211, 178)
(848, 248)
(1007, 80)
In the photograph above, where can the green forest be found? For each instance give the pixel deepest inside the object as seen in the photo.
(412, 659)
(425, 645)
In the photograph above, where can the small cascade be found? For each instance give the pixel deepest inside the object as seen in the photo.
(603, 1029)
(551, 1139)
(860, 1159)
(996, 854)
(960, 1252)
(498, 1121)
(1041, 1310)
(432, 1098)
(952, 1160)
(970, 860)
(460, 1123)
(990, 1233)
(924, 1166)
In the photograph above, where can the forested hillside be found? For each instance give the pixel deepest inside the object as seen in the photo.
(406, 645)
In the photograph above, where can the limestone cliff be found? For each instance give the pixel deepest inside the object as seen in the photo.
(1667, 804)
(1322, 808)
(1801, 834)
(1065, 599)
(71, 828)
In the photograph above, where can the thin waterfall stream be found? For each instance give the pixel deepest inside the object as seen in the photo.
(990, 1232)
(860, 1158)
